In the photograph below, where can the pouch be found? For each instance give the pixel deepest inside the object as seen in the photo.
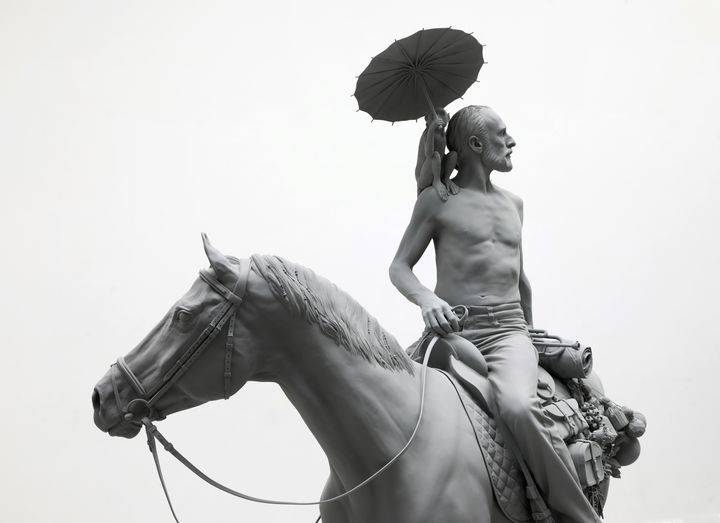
(587, 457)
(567, 417)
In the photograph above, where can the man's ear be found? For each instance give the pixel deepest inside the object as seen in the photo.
(475, 144)
(220, 263)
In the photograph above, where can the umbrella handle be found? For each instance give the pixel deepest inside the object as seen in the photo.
(427, 96)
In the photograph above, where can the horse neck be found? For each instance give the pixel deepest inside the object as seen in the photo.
(360, 413)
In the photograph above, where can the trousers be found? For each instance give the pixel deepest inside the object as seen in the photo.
(501, 334)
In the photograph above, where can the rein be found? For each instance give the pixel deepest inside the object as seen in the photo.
(142, 408)
(154, 434)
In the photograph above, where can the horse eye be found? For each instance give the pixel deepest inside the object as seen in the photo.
(183, 316)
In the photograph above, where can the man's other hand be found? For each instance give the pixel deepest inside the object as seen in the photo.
(439, 317)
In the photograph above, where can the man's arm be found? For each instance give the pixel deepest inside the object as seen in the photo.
(525, 293)
(524, 283)
(436, 313)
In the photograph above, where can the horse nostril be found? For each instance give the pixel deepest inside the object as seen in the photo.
(96, 400)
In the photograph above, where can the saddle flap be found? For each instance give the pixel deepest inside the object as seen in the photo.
(462, 360)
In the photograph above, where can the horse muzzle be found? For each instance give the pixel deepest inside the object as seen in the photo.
(108, 417)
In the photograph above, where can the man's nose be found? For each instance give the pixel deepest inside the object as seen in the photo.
(511, 141)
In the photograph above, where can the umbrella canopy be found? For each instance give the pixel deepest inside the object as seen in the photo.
(414, 75)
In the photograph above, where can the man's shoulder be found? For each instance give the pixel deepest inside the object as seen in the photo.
(513, 197)
(428, 202)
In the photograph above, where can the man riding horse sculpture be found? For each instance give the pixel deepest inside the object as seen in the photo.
(405, 443)
(478, 248)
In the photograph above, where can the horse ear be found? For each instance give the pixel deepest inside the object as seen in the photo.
(218, 261)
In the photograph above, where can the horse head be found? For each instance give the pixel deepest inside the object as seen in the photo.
(200, 351)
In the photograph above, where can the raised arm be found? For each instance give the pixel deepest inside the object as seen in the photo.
(436, 313)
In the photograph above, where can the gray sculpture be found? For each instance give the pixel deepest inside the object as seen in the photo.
(462, 427)
(418, 453)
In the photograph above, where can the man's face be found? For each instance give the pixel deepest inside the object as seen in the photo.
(498, 144)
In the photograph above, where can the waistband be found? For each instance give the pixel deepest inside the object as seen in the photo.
(480, 310)
(504, 314)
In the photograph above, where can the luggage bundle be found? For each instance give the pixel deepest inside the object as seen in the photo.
(600, 434)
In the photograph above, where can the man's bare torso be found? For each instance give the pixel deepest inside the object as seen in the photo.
(477, 240)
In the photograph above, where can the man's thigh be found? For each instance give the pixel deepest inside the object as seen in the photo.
(511, 358)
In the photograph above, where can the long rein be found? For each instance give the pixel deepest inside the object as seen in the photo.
(153, 434)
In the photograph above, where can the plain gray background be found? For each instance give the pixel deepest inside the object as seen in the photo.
(128, 127)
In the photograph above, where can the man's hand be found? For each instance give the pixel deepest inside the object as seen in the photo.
(439, 317)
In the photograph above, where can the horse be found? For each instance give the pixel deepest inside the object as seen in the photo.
(352, 383)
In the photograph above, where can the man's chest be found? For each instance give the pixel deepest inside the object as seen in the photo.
(479, 220)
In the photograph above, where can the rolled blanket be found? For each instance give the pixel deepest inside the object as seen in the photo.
(562, 358)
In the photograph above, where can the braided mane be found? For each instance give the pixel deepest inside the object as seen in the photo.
(318, 301)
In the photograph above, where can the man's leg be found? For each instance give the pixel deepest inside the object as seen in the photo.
(512, 363)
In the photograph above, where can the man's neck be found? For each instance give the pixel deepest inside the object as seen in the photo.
(474, 176)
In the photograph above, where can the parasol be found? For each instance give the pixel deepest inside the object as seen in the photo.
(428, 69)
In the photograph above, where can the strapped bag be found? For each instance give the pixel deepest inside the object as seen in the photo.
(567, 418)
(587, 457)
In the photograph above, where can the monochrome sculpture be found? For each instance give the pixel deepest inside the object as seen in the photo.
(484, 418)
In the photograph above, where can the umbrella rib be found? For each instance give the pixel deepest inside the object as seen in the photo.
(396, 70)
(387, 60)
(431, 55)
(389, 92)
(387, 81)
(417, 43)
(450, 88)
(405, 53)
(429, 49)
(430, 71)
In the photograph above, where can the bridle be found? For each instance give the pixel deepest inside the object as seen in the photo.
(144, 406)
(140, 410)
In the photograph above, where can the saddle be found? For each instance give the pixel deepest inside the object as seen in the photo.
(465, 367)
(513, 486)
(601, 435)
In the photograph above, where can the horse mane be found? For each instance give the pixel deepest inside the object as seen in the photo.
(318, 301)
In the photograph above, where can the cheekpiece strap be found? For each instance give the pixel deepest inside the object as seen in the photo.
(229, 348)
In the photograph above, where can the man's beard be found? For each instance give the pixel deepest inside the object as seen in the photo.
(495, 161)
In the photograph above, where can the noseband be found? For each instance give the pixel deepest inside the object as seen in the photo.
(144, 405)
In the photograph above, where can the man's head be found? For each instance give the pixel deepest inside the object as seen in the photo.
(477, 133)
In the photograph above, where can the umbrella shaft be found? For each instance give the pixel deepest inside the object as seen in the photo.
(427, 96)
